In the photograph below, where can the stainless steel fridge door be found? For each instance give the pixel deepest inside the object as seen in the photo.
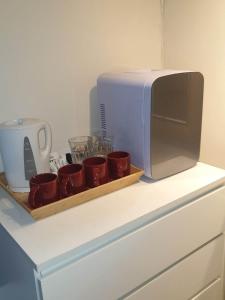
(176, 118)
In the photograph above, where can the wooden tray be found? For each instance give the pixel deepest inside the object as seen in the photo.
(63, 204)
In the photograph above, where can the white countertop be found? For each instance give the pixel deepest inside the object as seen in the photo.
(82, 228)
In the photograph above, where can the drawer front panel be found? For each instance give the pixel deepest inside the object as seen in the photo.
(124, 264)
(186, 278)
(212, 292)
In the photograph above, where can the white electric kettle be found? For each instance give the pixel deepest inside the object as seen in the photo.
(21, 151)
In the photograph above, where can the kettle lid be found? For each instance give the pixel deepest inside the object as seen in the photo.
(20, 123)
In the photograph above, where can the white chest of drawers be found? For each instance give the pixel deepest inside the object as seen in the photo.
(162, 240)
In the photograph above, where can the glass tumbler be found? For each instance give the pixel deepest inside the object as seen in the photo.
(101, 144)
(81, 148)
(107, 145)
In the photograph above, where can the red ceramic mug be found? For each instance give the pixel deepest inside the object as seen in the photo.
(96, 171)
(43, 189)
(71, 180)
(119, 164)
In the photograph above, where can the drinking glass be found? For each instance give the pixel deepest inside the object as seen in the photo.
(101, 144)
(81, 148)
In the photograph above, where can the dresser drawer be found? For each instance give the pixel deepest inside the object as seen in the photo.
(186, 278)
(126, 263)
(213, 292)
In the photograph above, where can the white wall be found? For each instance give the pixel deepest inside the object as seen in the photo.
(194, 38)
(51, 52)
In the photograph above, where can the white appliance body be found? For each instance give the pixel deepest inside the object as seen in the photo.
(154, 115)
(21, 151)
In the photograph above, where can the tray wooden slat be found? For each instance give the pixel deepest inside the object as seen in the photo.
(66, 203)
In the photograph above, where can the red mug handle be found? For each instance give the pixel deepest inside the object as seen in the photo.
(32, 196)
(64, 186)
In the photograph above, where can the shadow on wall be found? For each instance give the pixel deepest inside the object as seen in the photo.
(94, 111)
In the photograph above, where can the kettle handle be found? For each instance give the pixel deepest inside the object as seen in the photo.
(48, 139)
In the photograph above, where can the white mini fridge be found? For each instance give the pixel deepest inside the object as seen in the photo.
(155, 115)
